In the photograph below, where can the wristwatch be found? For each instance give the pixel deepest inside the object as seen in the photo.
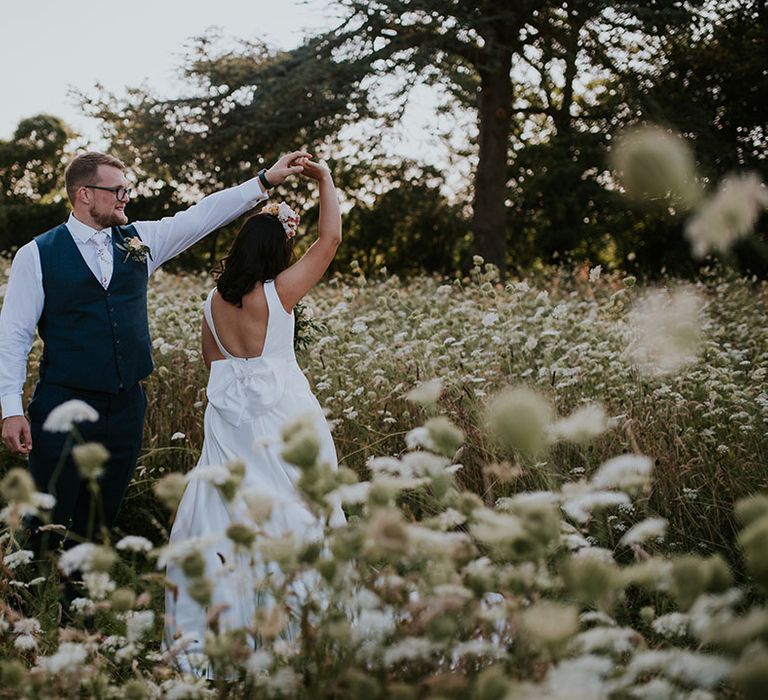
(263, 178)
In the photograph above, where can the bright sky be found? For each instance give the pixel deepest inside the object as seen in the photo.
(48, 47)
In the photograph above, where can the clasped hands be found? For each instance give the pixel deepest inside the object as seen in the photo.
(297, 162)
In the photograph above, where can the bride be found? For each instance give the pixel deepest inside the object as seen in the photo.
(254, 388)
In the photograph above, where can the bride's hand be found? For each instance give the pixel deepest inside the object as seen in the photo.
(315, 170)
(289, 164)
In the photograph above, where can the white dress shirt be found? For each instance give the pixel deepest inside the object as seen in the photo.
(24, 296)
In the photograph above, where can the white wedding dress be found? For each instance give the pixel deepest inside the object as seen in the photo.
(249, 401)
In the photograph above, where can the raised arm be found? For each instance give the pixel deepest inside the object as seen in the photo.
(292, 284)
(171, 235)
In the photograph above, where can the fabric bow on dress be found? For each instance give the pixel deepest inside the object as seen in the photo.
(243, 390)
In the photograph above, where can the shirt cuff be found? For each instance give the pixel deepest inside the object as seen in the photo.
(12, 405)
(252, 191)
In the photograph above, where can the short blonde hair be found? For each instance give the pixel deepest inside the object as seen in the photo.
(82, 170)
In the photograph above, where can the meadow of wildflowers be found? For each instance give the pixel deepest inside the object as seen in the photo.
(539, 480)
(577, 341)
(554, 487)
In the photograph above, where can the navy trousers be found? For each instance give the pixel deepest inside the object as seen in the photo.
(119, 428)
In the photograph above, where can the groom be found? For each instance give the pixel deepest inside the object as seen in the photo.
(83, 285)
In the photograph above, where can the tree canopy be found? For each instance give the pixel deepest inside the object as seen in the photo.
(545, 86)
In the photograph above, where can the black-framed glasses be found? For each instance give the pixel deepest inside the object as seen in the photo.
(122, 194)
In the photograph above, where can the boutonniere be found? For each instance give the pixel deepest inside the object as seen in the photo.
(135, 249)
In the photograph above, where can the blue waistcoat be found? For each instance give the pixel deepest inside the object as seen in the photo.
(94, 339)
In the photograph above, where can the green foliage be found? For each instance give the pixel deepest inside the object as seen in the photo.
(31, 180)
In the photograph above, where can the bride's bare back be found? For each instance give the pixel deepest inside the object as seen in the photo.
(242, 331)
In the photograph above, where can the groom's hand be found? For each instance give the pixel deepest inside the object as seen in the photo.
(16, 435)
(289, 164)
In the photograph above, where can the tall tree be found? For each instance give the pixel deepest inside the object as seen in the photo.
(31, 163)
(524, 69)
(31, 179)
(474, 51)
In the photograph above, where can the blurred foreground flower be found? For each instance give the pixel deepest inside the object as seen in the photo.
(730, 214)
(426, 393)
(17, 486)
(63, 418)
(90, 458)
(519, 418)
(667, 331)
(655, 164)
(582, 425)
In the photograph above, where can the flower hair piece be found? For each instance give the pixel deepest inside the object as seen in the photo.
(287, 217)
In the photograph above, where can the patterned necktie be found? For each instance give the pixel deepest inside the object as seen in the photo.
(103, 241)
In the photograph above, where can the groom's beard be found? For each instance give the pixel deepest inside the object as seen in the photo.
(109, 219)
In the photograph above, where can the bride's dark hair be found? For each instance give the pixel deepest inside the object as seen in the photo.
(260, 252)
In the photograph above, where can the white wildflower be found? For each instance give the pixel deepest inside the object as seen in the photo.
(584, 674)
(25, 642)
(284, 682)
(259, 503)
(373, 625)
(580, 507)
(113, 642)
(409, 649)
(126, 653)
(649, 529)
(419, 437)
(656, 164)
(730, 214)
(45, 501)
(350, 493)
(598, 618)
(178, 689)
(614, 640)
(478, 647)
(216, 474)
(699, 670)
(435, 542)
(27, 625)
(520, 418)
(672, 625)
(450, 518)
(63, 418)
(84, 606)
(490, 318)
(426, 393)
(628, 471)
(78, 558)
(582, 425)
(258, 663)
(98, 584)
(594, 273)
(138, 623)
(133, 543)
(425, 463)
(666, 330)
(601, 554)
(19, 558)
(656, 689)
(178, 551)
(68, 658)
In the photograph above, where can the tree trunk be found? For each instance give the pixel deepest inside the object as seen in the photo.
(562, 117)
(494, 119)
